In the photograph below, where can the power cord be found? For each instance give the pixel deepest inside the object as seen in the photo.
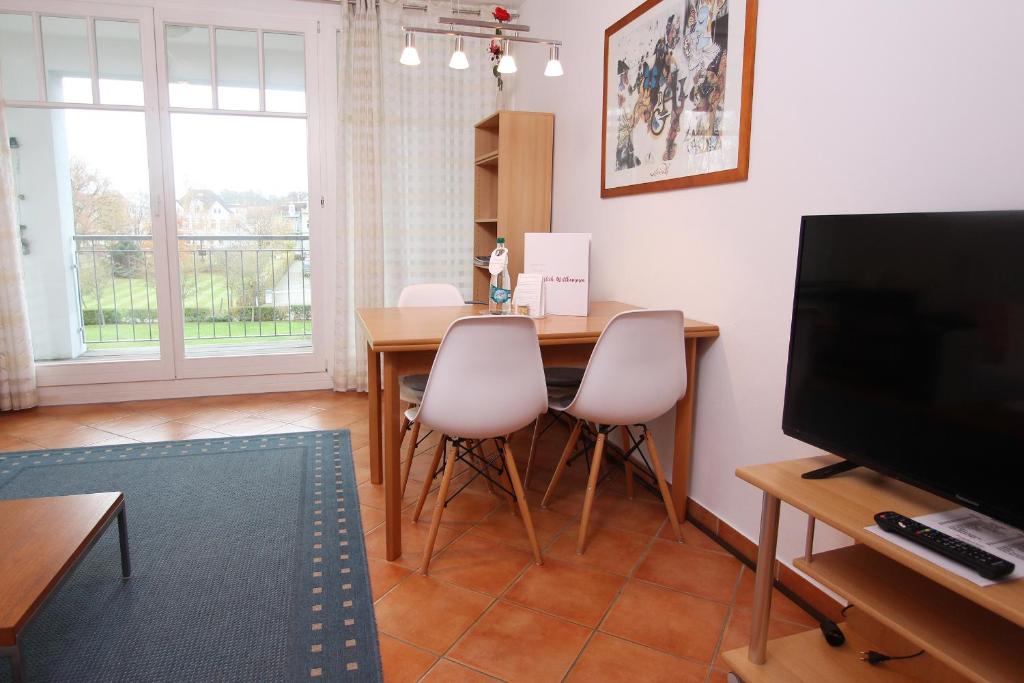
(876, 657)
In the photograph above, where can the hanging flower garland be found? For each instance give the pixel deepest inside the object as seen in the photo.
(496, 50)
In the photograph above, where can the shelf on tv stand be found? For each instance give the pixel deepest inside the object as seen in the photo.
(866, 574)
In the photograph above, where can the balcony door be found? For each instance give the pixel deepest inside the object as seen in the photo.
(169, 190)
(239, 141)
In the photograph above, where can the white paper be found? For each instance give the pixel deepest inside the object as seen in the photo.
(529, 292)
(971, 527)
(563, 258)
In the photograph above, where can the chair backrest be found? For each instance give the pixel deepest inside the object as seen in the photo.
(637, 371)
(441, 294)
(487, 379)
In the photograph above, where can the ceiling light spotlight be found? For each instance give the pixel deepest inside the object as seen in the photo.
(507, 64)
(459, 59)
(554, 67)
(410, 57)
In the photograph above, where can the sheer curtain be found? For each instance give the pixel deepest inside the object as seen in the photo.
(405, 161)
(17, 368)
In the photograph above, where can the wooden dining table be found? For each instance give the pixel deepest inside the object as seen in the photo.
(403, 341)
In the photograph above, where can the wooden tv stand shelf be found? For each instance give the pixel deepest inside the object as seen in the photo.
(968, 632)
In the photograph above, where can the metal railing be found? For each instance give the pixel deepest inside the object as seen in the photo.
(234, 289)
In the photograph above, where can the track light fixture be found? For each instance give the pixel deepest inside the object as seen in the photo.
(459, 59)
(410, 57)
(554, 67)
(507, 64)
(511, 33)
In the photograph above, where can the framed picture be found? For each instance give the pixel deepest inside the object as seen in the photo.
(678, 88)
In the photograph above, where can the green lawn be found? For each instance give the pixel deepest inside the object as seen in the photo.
(200, 334)
(200, 288)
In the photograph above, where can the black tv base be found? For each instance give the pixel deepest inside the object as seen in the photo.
(830, 470)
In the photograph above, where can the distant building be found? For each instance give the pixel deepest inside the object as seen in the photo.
(296, 213)
(203, 212)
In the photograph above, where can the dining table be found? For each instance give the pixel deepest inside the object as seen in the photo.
(404, 341)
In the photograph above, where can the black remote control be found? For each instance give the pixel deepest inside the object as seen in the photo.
(986, 564)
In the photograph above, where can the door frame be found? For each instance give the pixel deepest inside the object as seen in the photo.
(173, 363)
(236, 362)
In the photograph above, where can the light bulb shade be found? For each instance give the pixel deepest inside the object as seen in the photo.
(410, 57)
(554, 67)
(459, 59)
(507, 63)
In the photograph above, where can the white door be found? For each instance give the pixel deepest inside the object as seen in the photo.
(169, 184)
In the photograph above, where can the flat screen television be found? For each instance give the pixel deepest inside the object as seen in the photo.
(907, 351)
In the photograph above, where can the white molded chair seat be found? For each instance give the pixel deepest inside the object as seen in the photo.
(636, 373)
(487, 382)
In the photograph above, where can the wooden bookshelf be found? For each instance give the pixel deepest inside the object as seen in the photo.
(512, 185)
(968, 632)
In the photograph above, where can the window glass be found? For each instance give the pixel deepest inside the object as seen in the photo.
(238, 75)
(18, 57)
(66, 56)
(188, 66)
(285, 72)
(82, 180)
(119, 62)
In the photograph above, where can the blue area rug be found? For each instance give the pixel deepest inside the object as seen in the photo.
(248, 564)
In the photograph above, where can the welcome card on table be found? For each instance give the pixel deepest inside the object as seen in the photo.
(563, 259)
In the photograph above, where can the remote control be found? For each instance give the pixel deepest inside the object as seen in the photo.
(986, 564)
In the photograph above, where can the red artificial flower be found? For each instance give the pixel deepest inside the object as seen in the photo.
(501, 14)
(495, 48)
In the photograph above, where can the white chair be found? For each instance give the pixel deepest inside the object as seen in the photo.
(411, 386)
(487, 382)
(636, 373)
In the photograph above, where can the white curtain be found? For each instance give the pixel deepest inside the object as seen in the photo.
(405, 161)
(17, 368)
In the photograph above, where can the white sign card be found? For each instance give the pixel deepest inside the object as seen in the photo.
(529, 293)
(563, 259)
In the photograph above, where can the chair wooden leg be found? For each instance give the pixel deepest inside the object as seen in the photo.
(570, 446)
(410, 453)
(533, 450)
(666, 495)
(588, 501)
(624, 431)
(435, 523)
(438, 452)
(524, 508)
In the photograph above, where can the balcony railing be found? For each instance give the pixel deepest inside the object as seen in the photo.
(235, 289)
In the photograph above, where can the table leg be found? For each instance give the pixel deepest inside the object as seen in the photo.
(122, 536)
(14, 655)
(392, 447)
(683, 446)
(766, 543)
(373, 387)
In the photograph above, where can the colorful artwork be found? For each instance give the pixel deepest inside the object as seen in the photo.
(678, 81)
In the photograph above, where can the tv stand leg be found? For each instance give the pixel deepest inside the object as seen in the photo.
(830, 470)
(757, 652)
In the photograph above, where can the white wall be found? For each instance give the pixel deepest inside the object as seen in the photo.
(867, 106)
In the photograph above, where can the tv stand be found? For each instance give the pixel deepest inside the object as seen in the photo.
(830, 470)
(903, 602)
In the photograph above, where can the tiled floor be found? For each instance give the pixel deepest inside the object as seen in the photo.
(637, 606)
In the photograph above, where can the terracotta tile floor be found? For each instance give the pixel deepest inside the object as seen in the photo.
(635, 607)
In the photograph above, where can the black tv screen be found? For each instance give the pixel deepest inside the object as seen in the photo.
(907, 350)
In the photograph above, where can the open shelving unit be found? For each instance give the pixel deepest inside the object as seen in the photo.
(968, 632)
(512, 185)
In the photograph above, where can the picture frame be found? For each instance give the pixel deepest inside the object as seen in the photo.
(676, 110)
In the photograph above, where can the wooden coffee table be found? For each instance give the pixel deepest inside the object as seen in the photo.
(41, 541)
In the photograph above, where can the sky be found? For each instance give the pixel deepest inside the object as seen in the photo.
(210, 151)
